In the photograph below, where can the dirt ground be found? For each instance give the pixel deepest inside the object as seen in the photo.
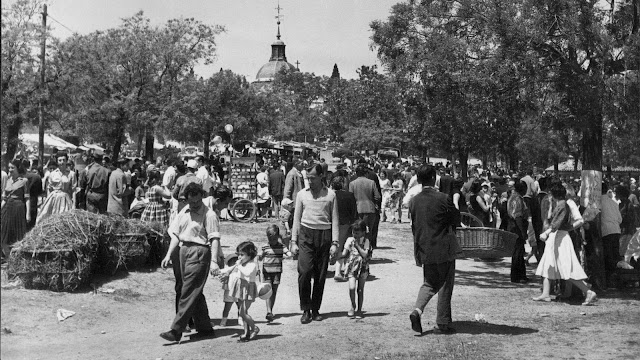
(125, 324)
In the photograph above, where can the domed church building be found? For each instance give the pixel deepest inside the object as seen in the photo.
(277, 61)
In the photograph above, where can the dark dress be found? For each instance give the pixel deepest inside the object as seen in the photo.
(476, 210)
(14, 217)
(518, 224)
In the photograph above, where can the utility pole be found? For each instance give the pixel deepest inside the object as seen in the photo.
(42, 72)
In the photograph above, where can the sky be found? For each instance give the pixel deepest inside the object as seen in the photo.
(317, 33)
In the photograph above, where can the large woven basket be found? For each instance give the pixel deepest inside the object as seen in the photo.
(486, 243)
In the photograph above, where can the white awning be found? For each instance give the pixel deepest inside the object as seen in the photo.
(51, 141)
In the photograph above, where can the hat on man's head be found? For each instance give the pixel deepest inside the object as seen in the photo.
(487, 184)
(192, 164)
(632, 180)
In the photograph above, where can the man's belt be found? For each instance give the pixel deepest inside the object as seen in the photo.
(190, 243)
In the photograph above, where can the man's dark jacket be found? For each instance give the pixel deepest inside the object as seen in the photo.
(434, 219)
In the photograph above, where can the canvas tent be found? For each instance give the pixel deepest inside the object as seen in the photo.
(50, 142)
(570, 166)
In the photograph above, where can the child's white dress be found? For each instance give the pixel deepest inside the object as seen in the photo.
(243, 287)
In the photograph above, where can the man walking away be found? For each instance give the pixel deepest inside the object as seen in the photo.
(434, 219)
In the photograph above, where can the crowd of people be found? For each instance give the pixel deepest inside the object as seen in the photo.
(325, 217)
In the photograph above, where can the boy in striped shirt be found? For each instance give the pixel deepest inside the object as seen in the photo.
(271, 257)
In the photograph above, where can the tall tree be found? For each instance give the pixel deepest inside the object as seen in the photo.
(448, 60)
(124, 78)
(21, 36)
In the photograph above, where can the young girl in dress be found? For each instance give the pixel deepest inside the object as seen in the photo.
(243, 287)
(394, 197)
(225, 279)
(559, 260)
(385, 185)
(359, 250)
(156, 211)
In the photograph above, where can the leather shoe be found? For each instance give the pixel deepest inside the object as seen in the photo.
(243, 338)
(171, 335)
(317, 317)
(306, 317)
(415, 321)
(443, 330)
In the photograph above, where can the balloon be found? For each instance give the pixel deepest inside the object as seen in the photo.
(217, 140)
(228, 128)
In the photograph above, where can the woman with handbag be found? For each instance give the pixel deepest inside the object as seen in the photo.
(559, 260)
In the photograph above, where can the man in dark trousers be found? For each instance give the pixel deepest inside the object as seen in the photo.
(97, 186)
(315, 235)
(34, 181)
(197, 229)
(276, 187)
(434, 219)
(371, 175)
(367, 200)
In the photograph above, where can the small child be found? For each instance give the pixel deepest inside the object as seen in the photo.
(271, 256)
(286, 216)
(357, 268)
(243, 287)
(225, 277)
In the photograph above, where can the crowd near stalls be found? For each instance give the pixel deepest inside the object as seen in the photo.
(282, 180)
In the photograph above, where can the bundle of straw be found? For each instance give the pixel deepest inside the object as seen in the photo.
(62, 252)
(58, 253)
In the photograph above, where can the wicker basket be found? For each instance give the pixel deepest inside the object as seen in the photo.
(486, 243)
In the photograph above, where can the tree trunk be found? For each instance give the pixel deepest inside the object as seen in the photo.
(590, 192)
(463, 155)
(13, 130)
(117, 145)
(148, 147)
(207, 139)
(139, 142)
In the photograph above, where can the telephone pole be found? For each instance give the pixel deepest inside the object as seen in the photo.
(42, 72)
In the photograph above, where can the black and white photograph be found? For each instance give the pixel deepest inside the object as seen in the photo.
(191, 179)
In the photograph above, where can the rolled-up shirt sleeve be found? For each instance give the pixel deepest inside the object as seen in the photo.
(212, 225)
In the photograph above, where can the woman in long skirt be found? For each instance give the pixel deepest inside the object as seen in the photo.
(156, 209)
(517, 215)
(559, 260)
(61, 184)
(15, 207)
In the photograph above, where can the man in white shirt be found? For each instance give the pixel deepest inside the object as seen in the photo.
(203, 174)
(348, 162)
(169, 177)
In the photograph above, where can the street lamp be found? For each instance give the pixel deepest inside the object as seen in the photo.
(229, 130)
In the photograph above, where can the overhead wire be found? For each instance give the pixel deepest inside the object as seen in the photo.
(61, 24)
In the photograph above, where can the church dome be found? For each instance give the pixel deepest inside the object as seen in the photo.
(269, 70)
(277, 61)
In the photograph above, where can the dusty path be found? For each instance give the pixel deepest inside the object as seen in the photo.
(125, 324)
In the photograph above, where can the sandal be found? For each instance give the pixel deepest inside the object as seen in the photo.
(541, 298)
(254, 333)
